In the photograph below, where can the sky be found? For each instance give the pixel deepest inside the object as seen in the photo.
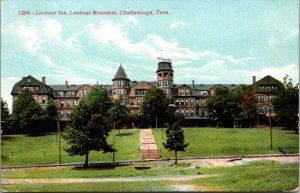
(208, 41)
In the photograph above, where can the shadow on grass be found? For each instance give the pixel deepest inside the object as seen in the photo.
(124, 134)
(100, 166)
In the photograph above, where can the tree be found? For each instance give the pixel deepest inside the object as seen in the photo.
(118, 113)
(237, 103)
(286, 103)
(155, 105)
(89, 125)
(27, 115)
(4, 115)
(50, 116)
(175, 139)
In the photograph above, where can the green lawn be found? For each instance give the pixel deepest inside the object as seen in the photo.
(256, 176)
(28, 150)
(230, 141)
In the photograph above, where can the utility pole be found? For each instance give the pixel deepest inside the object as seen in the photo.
(270, 127)
(59, 141)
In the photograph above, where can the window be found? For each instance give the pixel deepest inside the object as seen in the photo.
(68, 103)
(203, 102)
(68, 113)
(132, 111)
(74, 103)
(120, 91)
(181, 102)
(62, 104)
(171, 82)
(166, 82)
(260, 98)
(203, 92)
(197, 102)
(160, 83)
(203, 113)
(268, 108)
(192, 102)
(192, 112)
(186, 92)
(177, 111)
(186, 101)
(43, 100)
(131, 101)
(260, 109)
(61, 114)
(182, 111)
(60, 93)
(268, 98)
(34, 97)
(181, 92)
(138, 101)
(187, 112)
(70, 93)
(114, 92)
(120, 82)
(176, 102)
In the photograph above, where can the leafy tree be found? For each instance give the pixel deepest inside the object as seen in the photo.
(118, 113)
(249, 106)
(4, 115)
(89, 125)
(27, 114)
(175, 139)
(286, 103)
(50, 116)
(239, 103)
(51, 109)
(155, 105)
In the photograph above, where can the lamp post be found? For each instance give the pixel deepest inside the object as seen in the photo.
(114, 142)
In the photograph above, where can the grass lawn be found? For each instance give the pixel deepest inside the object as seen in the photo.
(230, 141)
(28, 150)
(256, 176)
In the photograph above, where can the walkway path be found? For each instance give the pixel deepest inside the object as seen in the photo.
(148, 145)
(94, 180)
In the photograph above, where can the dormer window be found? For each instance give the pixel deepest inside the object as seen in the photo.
(29, 80)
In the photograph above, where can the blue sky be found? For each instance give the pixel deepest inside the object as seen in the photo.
(209, 41)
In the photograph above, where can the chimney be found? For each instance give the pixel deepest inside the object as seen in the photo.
(67, 84)
(253, 79)
(44, 79)
(193, 83)
(97, 83)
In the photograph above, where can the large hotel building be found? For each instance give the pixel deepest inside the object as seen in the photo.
(189, 99)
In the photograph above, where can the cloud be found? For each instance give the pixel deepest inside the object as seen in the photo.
(131, 19)
(293, 33)
(27, 34)
(174, 25)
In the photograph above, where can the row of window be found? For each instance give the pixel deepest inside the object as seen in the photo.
(266, 88)
(120, 83)
(264, 109)
(190, 102)
(134, 111)
(66, 93)
(262, 98)
(65, 114)
(165, 82)
(191, 112)
(68, 103)
(119, 92)
(140, 91)
(136, 101)
(30, 88)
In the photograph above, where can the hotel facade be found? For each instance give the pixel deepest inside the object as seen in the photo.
(188, 99)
